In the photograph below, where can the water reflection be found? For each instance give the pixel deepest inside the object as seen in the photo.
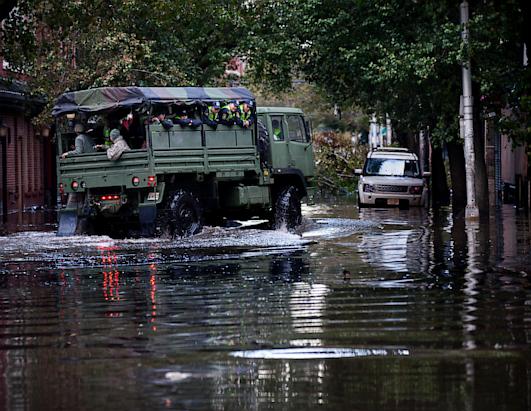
(147, 325)
(111, 275)
(153, 295)
(440, 243)
(307, 305)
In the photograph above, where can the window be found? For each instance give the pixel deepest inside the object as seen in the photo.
(296, 128)
(307, 128)
(391, 167)
(278, 129)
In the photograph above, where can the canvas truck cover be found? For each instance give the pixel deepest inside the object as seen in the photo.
(110, 98)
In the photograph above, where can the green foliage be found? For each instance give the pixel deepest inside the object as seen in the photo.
(385, 56)
(78, 44)
(391, 56)
(316, 105)
(336, 159)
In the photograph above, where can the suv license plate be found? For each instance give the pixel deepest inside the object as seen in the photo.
(392, 201)
(153, 196)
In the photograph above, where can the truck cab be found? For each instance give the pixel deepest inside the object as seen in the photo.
(290, 137)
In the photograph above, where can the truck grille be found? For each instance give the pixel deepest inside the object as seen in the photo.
(381, 188)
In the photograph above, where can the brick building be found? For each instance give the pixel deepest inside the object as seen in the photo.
(27, 158)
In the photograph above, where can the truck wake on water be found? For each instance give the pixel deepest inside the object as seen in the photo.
(241, 240)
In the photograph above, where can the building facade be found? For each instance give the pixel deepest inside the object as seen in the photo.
(27, 157)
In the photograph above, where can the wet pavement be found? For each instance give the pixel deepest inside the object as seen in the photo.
(386, 310)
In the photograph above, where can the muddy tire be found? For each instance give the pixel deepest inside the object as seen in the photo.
(287, 214)
(181, 217)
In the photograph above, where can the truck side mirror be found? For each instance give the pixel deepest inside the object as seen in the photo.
(357, 172)
(426, 174)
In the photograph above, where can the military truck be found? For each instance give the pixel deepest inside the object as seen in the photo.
(177, 178)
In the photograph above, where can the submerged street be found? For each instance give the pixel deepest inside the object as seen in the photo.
(384, 309)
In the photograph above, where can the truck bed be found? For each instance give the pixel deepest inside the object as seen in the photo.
(226, 151)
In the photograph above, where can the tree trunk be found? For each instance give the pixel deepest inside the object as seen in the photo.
(408, 140)
(440, 192)
(457, 173)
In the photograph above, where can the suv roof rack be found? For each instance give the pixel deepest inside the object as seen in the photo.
(391, 149)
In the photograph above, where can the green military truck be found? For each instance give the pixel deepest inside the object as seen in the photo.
(177, 178)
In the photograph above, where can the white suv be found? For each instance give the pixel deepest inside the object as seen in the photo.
(391, 177)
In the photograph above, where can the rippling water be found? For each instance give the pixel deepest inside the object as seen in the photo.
(389, 310)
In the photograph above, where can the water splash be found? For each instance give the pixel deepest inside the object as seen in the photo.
(319, 353)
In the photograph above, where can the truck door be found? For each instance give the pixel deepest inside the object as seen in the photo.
(279, 142)
(299, 145)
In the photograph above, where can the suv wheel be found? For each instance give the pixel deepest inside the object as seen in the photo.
(288, 209)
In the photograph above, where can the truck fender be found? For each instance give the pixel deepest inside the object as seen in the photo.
(68, 220)
(294, 175)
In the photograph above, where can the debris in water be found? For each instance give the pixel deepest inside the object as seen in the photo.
(176, 376)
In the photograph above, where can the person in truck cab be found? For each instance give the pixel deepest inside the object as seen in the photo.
(246, 118)
(277, 130)
(229, 114)
(83, 142)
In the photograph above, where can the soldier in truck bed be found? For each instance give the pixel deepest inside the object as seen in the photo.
(246, 117)
(119, 145)
(185, 119)
(83, 142)
(229, 114)
(211, 114)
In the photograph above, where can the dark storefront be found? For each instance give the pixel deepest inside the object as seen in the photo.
(27, 159)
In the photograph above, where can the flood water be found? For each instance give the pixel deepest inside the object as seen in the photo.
(385, 310)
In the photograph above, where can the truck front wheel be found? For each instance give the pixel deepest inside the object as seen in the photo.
(287, 209)
(184, 214)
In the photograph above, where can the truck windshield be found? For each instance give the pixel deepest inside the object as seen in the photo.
(391, 167)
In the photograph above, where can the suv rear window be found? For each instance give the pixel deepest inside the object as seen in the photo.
(391, 167)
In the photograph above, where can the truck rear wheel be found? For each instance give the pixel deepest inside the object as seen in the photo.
(288, 209)
(183, 214)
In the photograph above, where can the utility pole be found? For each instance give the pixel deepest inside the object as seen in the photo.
(373, 133)
(422, 151)
(471, 210)
(389, 129)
